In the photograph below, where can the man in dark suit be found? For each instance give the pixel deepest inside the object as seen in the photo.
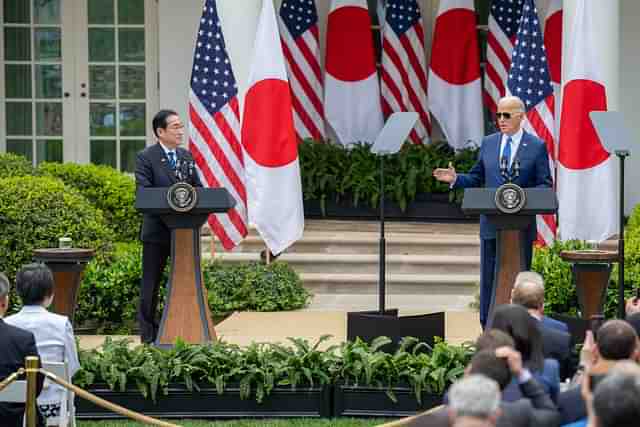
(159, 165)
(15, 345)
(514, 150)
(535, 410)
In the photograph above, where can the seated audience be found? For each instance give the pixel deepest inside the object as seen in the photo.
(53, 334)
(616, 341)
(615, 401)
(516, 322)
(15, 345)
(474, 398)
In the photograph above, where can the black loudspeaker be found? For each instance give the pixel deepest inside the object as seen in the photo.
(368, 325)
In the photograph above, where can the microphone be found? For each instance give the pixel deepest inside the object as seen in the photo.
(516, 168)
(503, 167)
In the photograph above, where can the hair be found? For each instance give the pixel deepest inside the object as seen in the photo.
(34, 283)
(475, 396)
(516, 321)
(160, 120)
(486, 363)
(492, 339)
(528, 290)
(515, 99)
(616, 340)
(4, 285)
(616, 402)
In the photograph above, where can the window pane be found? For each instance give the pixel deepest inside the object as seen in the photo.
(128, 150)
(47, 44)
(49, 118)
(17, 11)
(103, 152)
(131, 12)
(101, 44)
(17, 80)
(23, 147)
(132, 82)
(101, 12)
(102, 81)
(49, 150)
(46, 12)
(19, 118)
(103, 119)
(17, 46)
(132, 119)
(49, 81)
(131, 45)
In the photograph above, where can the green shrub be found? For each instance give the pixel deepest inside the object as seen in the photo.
(332, 172)
(107, 188)
(36, 211)
(14, 165)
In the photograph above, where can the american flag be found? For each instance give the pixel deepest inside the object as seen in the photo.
(503, 25)
(530, 80)
(301, 48)
(404, 70)
(214, 126)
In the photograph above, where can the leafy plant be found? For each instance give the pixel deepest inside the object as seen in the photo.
(108, 189)
(14, 165)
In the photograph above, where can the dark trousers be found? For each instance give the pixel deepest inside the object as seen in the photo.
(488, 270)
(154, 260)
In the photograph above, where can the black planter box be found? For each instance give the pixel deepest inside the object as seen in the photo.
(351, 401)
(426, 207)
(207, 403)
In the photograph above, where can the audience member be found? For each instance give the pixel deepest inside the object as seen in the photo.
(474, 397)
(15, 345)
(528, 291)
(632, 306)
(515, 321)
(615, 401)
(53, 334)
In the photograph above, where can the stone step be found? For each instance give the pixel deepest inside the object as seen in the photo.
(427, 303)
(365, 243)
(336, 263)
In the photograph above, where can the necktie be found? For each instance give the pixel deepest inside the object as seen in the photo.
(506, 154)
(172, 159)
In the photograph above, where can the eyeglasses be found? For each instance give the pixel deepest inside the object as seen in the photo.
(506, 116)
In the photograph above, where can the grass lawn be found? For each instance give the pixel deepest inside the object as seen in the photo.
(296, 422)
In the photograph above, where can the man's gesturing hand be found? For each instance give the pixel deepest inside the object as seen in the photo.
(447, 175)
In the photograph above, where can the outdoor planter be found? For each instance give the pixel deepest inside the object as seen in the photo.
(355, 401)
(207, 403)
(426, 206)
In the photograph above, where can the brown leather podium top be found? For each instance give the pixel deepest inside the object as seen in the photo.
(60, 255)
(589, 255)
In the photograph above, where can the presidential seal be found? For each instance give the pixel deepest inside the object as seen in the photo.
(182, 197)
(510, 198)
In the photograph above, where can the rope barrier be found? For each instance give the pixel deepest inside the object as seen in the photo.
(11, 378)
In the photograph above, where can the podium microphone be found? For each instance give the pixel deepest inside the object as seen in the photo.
(503, 167)
(516, 168)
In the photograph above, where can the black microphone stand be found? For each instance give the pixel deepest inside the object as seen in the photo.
(382, 247)
(622, 155)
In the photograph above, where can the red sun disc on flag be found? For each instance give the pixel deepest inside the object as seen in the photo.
(350, 55)
(267, 132)
(580, 147)
(456, 30)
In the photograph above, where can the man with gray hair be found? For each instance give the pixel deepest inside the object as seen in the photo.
(474, 396)
(616, 401)
(528, 291)
(15, 345)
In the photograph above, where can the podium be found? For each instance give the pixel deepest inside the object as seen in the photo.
(186, 312)
(511, 227)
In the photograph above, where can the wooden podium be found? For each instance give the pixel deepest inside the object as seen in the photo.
(510, 227)
(186, 312)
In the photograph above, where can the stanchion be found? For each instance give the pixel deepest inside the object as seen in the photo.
(31, 364)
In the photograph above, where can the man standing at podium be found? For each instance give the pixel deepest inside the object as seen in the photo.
(159, 165)
(521, 155)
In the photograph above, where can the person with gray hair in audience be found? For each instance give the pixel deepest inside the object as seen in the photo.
(528, 291)
(476, 397)
(615, 401)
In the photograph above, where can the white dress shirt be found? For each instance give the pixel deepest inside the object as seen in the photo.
(55, 342)
(515, 143)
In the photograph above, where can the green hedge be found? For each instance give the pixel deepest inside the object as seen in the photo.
(110, 288)
(13, 165)
(332, 172)
(258, 368)
(36, 211)
(108, 189)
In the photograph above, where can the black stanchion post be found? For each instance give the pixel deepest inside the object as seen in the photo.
(381, 279)
(622, 155)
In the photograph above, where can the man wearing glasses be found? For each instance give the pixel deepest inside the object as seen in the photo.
(159, 165)
(512, 149)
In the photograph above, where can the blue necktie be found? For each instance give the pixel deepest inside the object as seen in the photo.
(506, 154)
(172, 159)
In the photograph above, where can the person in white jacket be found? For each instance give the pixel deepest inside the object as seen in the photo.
(53, 334)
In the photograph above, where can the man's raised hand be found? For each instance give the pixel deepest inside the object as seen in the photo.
(447, 175)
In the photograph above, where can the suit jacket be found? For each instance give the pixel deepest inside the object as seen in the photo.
(15, 345)
(571, 405)
(534, 172)
(549, 322)
(54, 340)
(536, 410)
(153, 170)
(557, 345)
